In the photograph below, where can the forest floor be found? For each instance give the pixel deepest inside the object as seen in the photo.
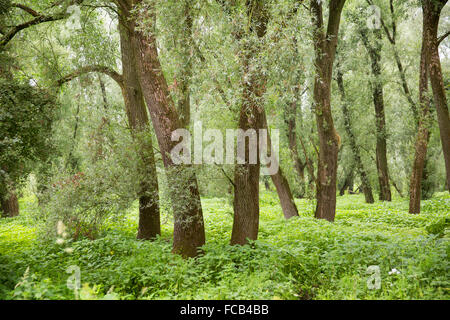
(302, 258)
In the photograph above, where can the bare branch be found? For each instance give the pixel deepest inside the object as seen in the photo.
(26, 9)
(441, 38)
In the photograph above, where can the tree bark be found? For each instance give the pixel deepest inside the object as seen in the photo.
(189, 232)
(291, 121)
(325, 50)
(433, 10)
(281, 184)
(9, 204)
(149, 216)
(422, 137)
(365, 184)
(378, 101)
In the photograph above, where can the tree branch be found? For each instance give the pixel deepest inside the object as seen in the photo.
(441, 38)
(26, 9)
(95, 68)
(38, 19)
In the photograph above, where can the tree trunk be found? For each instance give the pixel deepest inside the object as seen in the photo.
(424, 119)
(189, 232)
(433, 10)
(325, 50)
(365, 184)
(281, 184)
(9, 205)
(291, 121)
(378, 101)
(348, 183)
(184, 101)
(149, 216)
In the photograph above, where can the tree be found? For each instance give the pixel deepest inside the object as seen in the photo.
(430, 69)
(325, 49)
(365, 184)
(26, 114)
(189, 232)
(374, 50)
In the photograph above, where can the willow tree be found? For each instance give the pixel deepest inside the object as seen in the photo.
(325, 43)
(430, 70)
(189, 232)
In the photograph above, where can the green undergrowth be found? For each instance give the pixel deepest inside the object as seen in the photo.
(302, 258)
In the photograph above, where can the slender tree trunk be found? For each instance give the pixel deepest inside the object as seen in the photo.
(365, 184)
(291, 121)
(325, 50)
(378, 101)
(189, 232)
(149, 216)
(281, 184)
(184, 103)
(348, 183)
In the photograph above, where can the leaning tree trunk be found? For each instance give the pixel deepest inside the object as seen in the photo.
(433, 10)
(149, 216)
(281, 184)
(378, 101)
(365, 184)
(325, 50)
(189, 232)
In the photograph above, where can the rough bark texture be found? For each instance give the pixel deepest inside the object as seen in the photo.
(435, 74)
(365, 184)
(189, 232)
(9, 205)
(251, 116)
(374, 51)
(325, 50)
(184, 102)
(424, 120)
(149, 216)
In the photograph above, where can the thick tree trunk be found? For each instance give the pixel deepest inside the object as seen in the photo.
(252, 116)
(433, 9)
(246, 176)
(365, 184)
(9, 205)
(424, 119)
(184, 101)
(325, 49)
(378, 101)
(149, 216)
(189, 232)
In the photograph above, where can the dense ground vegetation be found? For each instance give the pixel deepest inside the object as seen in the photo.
(301, 258)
